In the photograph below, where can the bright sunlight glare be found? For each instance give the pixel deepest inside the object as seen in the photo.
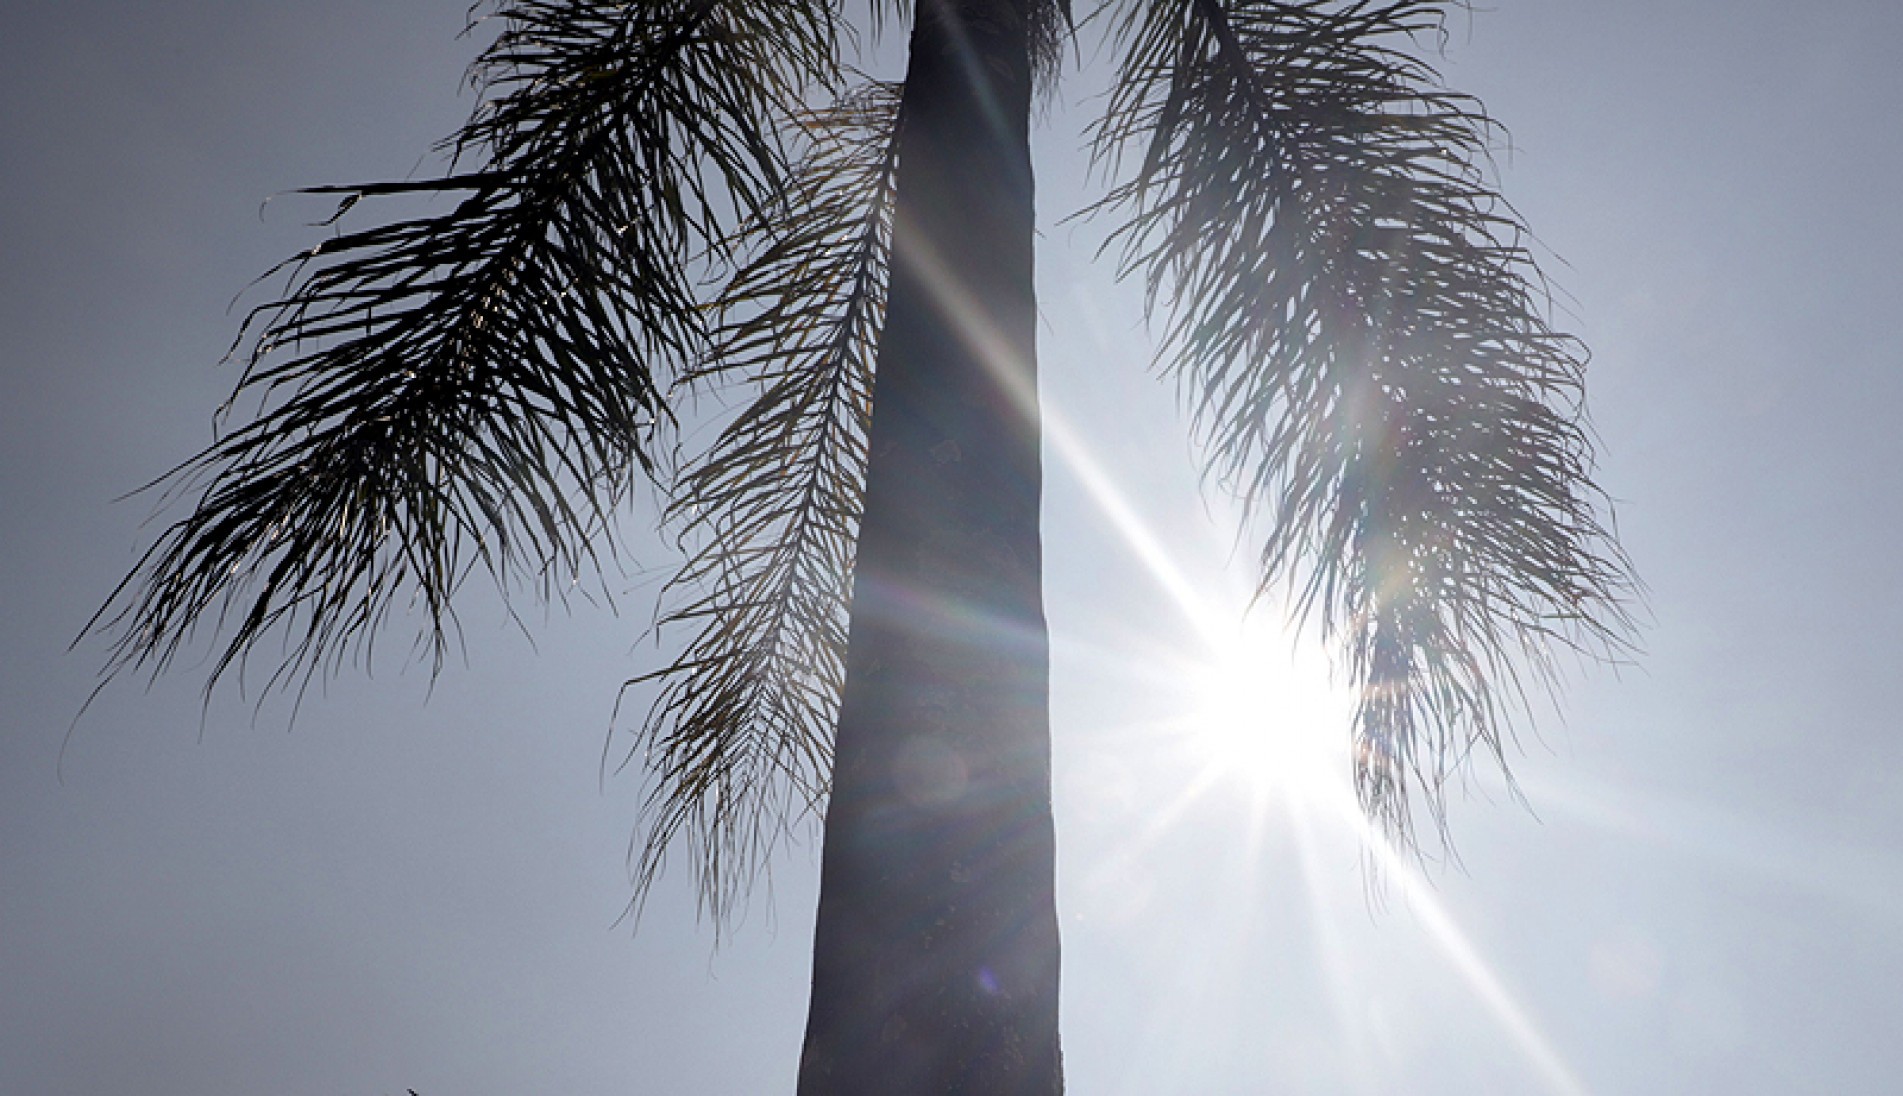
(1263, 707)
(1266, 712)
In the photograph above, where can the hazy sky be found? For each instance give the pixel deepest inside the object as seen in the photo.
(422, 891)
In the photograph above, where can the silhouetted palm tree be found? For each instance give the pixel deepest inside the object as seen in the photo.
(662, 197)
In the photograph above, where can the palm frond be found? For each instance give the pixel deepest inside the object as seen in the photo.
(738, 742)
(480, 386)
(1362, 334)
(1051, 24)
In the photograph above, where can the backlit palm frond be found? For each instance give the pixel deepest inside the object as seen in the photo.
(480, 384)
(739, 740)
(1362, 334)
(1050, 23)
(1053, 25)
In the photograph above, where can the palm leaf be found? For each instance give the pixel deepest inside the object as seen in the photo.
(738, 742)
(1051, 28)
(1362, 335)
(481, 385)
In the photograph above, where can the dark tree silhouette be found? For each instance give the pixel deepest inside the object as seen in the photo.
(659, 198)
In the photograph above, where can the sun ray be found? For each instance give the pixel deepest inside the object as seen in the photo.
(1235, 661)
(1862, 880)
(1160, 821)
(1240, 665)
(1465, 958)
(1333, 952)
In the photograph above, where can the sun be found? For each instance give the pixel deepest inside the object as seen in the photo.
(1264, 711)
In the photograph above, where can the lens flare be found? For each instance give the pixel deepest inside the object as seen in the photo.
(1270, 718)
(1266, 712)
(1262, 713)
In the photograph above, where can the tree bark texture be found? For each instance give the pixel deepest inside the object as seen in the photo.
(935, 960)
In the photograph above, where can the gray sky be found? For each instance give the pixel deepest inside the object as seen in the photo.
(400, 893)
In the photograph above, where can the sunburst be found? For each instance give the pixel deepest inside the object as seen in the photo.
(1264, 711)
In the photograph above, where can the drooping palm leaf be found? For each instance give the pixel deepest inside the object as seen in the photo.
(1363, 337)
(479, 385)
(738, 743)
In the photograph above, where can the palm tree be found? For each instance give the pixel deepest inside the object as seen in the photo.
(678, 196)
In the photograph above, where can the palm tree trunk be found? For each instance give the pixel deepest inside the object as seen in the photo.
(935, 960)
